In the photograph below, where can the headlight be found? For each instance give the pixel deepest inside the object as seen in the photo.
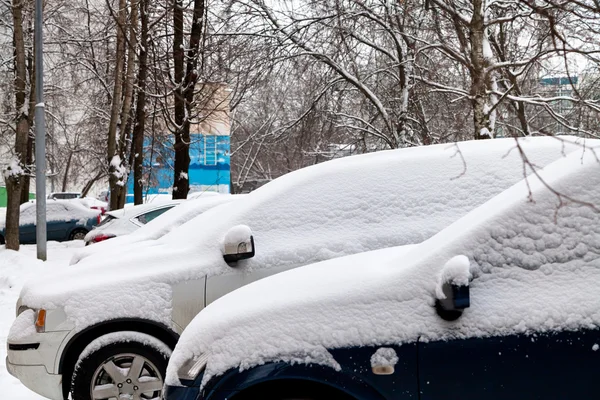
(40, 321)
(192, 368)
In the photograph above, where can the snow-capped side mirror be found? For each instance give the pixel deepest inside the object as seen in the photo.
(238, 244)
(452, 291)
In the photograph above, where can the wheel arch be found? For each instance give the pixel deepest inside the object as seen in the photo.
(81, 339)
(270, 378)
(76, 229)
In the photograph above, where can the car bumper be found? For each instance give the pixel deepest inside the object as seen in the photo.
(33, 360)
(37, 378)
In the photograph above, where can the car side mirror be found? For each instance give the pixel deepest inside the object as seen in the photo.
(452, 292)
(238, 244)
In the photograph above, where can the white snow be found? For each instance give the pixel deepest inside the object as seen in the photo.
(236, 234)
(595, 347)
(456, 272)
(23, 326)
(535, 267)
(384, 357)
(13, 169)
(15, 269)
(124, 337)
(340, 207)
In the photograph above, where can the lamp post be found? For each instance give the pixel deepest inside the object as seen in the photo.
(40, 137)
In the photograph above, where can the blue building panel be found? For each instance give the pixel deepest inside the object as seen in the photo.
(209, 165)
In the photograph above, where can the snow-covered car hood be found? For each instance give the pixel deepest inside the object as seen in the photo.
(136, 283)
(527, 252)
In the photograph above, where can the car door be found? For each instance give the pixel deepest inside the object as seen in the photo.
(550, 365)
(27, 225)
(59, 221)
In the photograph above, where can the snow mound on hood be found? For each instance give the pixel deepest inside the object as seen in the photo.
(535, 260)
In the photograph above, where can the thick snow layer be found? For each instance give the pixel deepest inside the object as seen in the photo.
(340, 207)
(56, 211)
(384, 357)
(159, 226)
(23, 326)
(535, 261)
(456, 272)
(15, 268)
(123, 337)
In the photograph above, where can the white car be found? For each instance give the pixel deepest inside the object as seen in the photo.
(504, 303)
(159, 226)
(104, 328)
(127, 220)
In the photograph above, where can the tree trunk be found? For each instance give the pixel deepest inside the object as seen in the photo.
(113, 158)
(480, 80)
(140, 114)
(185, 81)
(14, 174)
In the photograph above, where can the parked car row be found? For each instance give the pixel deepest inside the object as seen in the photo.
(436, 272)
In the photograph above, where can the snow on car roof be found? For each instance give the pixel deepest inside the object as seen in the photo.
(534, 254)
(333, 209)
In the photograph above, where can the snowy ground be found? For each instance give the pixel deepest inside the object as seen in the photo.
(15, 269)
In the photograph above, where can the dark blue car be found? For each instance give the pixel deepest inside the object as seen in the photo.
(503, 304)
(66, 220)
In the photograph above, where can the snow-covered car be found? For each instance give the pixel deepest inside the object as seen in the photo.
(105, 326)
(65, 220)
(159, 226)
(127, 220)
(504, 303)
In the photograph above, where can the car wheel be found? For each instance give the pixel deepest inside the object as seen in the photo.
(2, 240)
(78, 234)
(125, 370)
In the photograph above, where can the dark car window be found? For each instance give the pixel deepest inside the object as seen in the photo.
(149, 216)
(106, 220)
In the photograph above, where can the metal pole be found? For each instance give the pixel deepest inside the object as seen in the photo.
(40, 137)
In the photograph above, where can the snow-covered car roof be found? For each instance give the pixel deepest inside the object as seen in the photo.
(159, 226)
(534, 255)
(336, 208)
(56, 210)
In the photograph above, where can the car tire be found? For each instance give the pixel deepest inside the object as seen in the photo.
(121, 369)
(2, 241)
(78, 234)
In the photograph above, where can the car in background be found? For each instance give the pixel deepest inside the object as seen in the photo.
(127, 220)
(66, 220)
(159, 226)
(501, 304)
(128, 306)
(64, 195)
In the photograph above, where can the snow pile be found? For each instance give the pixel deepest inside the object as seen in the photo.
(236, 235)
(13, 169)
(23, 326)
(455, 272)
(340, 207)
(384, 357)
(535, 267)
(15, 269)
(123, 337)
